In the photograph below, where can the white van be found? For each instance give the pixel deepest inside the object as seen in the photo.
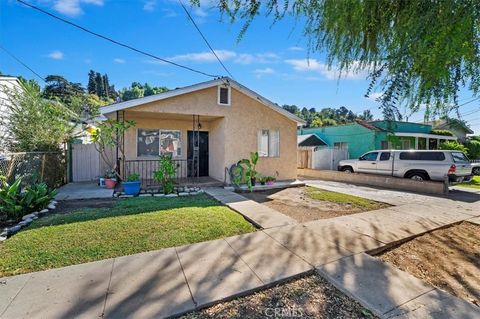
(415, 164)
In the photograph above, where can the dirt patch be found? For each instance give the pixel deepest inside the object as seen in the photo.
(296, 203)
(308, 297)
(68, 206)
(448, 259)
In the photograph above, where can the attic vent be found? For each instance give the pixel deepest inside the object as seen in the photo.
(224, 95)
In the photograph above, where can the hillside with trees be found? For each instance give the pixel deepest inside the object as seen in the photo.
(327, 116)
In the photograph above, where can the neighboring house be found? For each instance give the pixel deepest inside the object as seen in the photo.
(362, 136)
(220, 120)
(457, 128)
(6, 84)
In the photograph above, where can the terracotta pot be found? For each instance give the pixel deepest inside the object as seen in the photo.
(110, 183)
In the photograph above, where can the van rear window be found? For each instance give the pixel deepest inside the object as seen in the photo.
(422, 156)
(459, 157)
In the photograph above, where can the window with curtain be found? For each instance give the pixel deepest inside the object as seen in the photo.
(268, 143)
(159, 142)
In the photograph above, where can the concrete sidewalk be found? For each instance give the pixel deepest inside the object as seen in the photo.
(83, 190)
(176, 280)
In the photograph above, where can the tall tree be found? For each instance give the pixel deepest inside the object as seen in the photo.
(106, 86)
(416, 51)
(100, 85)
(92, 82)
(34, 123)
(59, 88)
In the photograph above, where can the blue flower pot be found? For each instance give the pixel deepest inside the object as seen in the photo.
(131, 188)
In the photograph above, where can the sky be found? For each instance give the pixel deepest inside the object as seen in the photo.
(271, 59)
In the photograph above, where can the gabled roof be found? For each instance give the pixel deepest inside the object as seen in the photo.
(197, 87)
(452, 123)
(310, 140)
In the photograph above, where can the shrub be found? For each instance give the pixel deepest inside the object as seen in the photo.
(452, 145)
(165, 174)
(473, 147)
(442, 132)
(15, 203)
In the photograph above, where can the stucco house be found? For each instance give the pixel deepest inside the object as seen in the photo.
(456, 127)
(206, 128)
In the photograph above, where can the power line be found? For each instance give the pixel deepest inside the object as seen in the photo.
(22, 63)
(204, 38)
(115, 41)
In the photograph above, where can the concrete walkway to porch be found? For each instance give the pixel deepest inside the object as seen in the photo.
(83, 190)
(176, 280)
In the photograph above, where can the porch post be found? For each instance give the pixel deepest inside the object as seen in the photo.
(428, 144)
(416, 142)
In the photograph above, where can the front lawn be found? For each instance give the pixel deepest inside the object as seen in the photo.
(340, 198)
(474, 183)
(131, 226)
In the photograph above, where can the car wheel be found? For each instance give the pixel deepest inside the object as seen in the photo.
(476, 171)
(347, 170)
(417, 176)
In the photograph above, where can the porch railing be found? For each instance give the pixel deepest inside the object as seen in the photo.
(147, 167)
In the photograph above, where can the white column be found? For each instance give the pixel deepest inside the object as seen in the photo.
(428, 144)
(416, 142)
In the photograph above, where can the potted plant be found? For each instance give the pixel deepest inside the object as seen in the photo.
(131, 186)
(262, 179)
(270, 180)
(110, 179)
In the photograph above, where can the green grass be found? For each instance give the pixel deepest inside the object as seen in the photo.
(339, 198)
(474, 183)
(133, 225)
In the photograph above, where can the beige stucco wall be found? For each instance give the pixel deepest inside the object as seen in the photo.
(232, 129)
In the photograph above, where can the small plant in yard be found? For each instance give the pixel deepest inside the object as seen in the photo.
(249, 170)
(165, 174)
(16, 202)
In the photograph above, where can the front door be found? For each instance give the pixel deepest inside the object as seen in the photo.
(202, 154)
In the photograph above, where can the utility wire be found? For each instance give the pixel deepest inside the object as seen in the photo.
(22, 63)
(204, 38)
(115, 41)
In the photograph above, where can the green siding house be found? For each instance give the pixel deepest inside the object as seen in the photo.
(361, 137)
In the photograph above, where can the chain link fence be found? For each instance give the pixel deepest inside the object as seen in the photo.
(47, 167)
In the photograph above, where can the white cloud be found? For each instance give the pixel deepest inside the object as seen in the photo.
(119, 61)
(149, 5)
(200, 12)
(224, 55)
(312, 65)
(204, 56)
(169, 13)
(247, 58)
(73, 8)
(375, 95)
(295, 48)
(56, 55)
(261, 72)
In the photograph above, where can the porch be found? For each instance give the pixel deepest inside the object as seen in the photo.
(423, 141)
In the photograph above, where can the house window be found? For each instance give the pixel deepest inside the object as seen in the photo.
(386, 145)
(268, 143)
(170, 143)
(224, 95)
(159, 142)
(406, 144)
(148, 142)
(340, 145)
